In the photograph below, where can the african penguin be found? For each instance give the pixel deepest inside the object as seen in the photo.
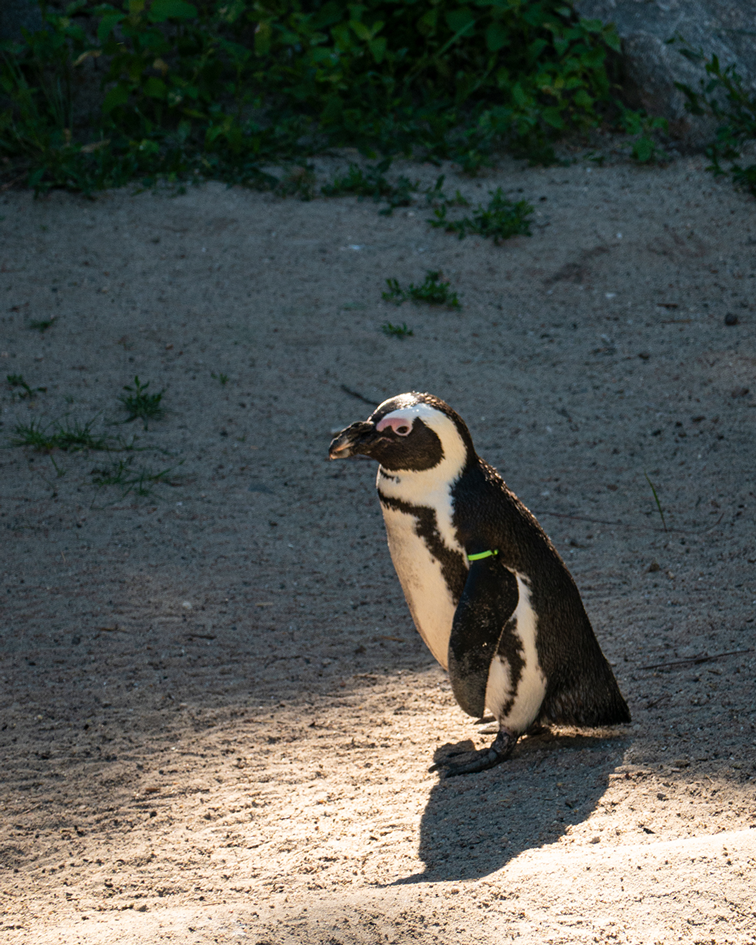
(486, 588)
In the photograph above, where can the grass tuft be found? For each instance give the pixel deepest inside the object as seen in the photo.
(397, 331)
(140, 481)
(140, 405)
(43, 324)
(434, 291)
(70, 436)
(499, 220)
(16, 380)
(371, 182)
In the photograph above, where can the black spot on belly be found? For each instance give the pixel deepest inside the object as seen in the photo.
(511, 650)
(452, 562)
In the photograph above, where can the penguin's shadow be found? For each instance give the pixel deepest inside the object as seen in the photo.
(475, 824)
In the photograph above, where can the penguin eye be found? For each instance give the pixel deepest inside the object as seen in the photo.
(403, 430)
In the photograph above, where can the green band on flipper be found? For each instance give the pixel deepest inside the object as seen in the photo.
(482, 554)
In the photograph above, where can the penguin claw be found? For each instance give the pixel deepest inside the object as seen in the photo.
(487, 758)
(482, 760)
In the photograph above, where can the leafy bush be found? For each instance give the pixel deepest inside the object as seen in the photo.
(139, 88)
(723, 96)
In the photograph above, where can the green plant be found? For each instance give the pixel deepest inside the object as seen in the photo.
(298, 182)
(500, 220)
(645, 129)
(140, 481)
(43, 324)
(435, 195)
(17, 380)
(656, 499)
(370, 182)
(723, 96)
(434, 290)
(221, 378)
(68, 435)
(397, 331)
(140, 405)
(190, 91)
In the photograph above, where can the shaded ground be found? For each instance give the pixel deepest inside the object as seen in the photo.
(217, 719)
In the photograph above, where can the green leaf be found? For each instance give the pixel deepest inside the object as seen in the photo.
(342, 35)
(116, 96)
(553, 117)
(497, 36)
(643, 150)
(162, 10)
(107, 25)
(361, 31)
(592, 26)
(231, 10)
(154, 88)
(611, 38)
(460, 20)
(427, 22)
(263, 36)
(378, 48)
(594, 58)
(519, 95)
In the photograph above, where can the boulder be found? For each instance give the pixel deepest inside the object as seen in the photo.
(651, 64)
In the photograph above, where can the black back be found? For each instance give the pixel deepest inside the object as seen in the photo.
(581, 688)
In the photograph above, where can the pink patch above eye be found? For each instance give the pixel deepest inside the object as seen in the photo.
(400, 425)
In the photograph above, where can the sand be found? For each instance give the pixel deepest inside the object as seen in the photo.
(216, 717)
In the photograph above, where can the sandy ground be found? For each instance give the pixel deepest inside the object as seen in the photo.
(216, 717)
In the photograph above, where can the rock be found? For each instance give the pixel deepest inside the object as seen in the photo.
(18, 14)
(651, 65)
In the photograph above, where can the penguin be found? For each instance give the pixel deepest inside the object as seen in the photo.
(486, 588)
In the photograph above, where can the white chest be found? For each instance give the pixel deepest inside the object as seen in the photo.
(420, 573)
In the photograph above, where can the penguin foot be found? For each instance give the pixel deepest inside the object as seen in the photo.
(479, 760)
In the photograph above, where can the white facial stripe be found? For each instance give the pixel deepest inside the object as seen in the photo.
(425, 411)
(399, 425)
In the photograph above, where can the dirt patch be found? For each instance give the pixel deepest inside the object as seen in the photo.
(217, 718)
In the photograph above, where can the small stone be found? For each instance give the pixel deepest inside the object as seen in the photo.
(654, 566)
(740, 392)
(644, 355)
(731, 318)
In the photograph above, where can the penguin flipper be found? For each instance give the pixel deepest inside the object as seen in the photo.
(488, 601)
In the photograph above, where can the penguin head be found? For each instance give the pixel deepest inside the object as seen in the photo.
(412, 432)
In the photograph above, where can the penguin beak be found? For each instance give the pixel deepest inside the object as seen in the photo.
(356, 438)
